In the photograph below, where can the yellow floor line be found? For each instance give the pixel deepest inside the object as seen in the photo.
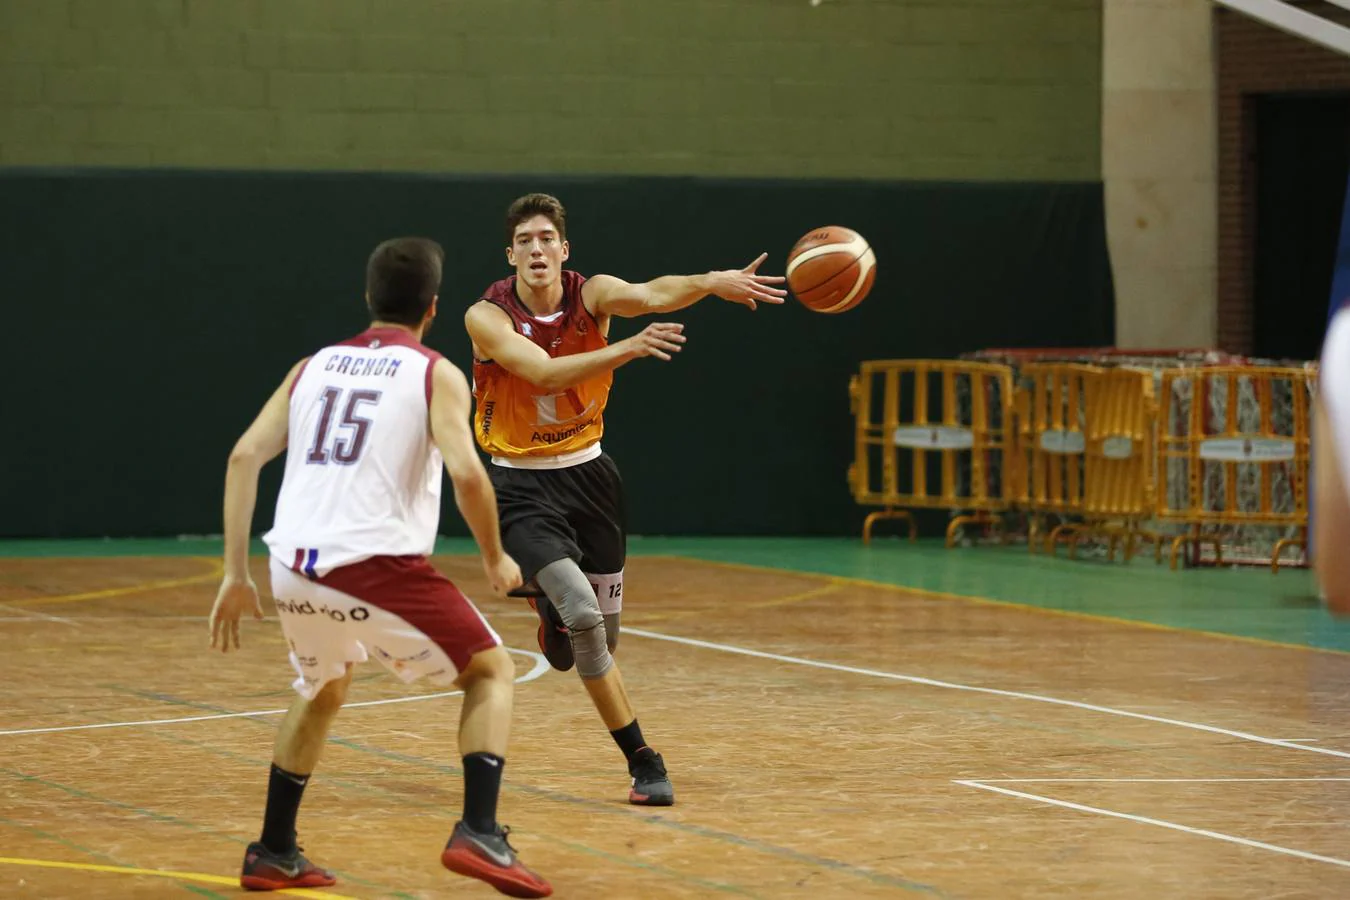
(1007, 604)
(217, 570)
(158, 873)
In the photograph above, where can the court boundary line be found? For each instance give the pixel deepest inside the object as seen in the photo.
(976, 689)
(1006, 604)
(29, 615)
(449, 815)
(1161, 823)
(1318, 778)
(158, 873)
(217, 570)
(624, 810)
(539, 669)
(134, 617)
(787, 600)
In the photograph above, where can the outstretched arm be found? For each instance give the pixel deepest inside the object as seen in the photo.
(493, 334)
(1332, 521)
(606, 295)
(474, 496)
(258, 446)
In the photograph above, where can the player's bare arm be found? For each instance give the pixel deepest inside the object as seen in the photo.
(260, 444)
(496, 339)
(606, 295)
(477, 502)
(1332, 521)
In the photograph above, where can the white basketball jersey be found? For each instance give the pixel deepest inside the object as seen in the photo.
(363, 477)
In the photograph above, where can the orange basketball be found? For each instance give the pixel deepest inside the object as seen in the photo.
(831, 269)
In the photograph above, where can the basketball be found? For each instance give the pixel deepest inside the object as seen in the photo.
(831, 269)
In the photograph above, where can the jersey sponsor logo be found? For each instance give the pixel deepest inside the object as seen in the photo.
(354, 614)
(560, 409)
(555, 437)
(400, 662)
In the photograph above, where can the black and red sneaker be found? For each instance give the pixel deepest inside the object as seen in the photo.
(488, 857)
(651, 785)
(555, 642)
(268, 871)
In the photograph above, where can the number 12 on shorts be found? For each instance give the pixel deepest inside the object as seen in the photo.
(345, 443)
(615, 589)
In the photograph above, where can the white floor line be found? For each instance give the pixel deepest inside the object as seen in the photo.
(1153, 780)
(996, 692)
(28, 615)
(536, 671)
(1161, 823)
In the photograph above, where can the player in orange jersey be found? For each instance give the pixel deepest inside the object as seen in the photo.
(543, 366)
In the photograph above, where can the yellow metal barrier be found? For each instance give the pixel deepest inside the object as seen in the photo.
(1051, 446)
(1233, 451)
(930, 434)
(1084, 454)
(1119, 457)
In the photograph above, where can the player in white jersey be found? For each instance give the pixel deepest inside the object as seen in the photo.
(367, 424)
(1331, 465)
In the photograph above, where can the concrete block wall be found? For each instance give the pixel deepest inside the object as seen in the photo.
(914, 89)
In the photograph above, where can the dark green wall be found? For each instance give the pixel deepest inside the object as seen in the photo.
(152, 313)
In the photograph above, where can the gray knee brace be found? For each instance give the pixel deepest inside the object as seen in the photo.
(574, 598)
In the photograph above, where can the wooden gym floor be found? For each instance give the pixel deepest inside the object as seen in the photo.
(827, 737)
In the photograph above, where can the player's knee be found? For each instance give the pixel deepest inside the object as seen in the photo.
(492, 664)
(581, 616)
(331, 696)
(571, 594)
(612, 631)
(591, 652)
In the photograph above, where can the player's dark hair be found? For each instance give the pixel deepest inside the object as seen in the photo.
(522, 209)
(403, 275)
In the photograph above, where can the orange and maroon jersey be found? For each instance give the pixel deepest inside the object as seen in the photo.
(514, 419)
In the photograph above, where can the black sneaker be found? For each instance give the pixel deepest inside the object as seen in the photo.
(268, 871)
(650, 787)
(555, 642)
(488, 857)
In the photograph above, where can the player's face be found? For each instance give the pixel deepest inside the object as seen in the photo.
(538, 252)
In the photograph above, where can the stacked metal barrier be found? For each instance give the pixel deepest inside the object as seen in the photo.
(1194, 449)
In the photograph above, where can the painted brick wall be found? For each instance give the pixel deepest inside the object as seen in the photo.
(1253, 59)
(927, 89)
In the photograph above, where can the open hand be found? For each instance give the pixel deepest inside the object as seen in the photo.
(746, 286)
(235, 597)
(660, 339)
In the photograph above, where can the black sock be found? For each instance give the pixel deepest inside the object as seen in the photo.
(482, 784)
(629, 738)
(284, 790)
